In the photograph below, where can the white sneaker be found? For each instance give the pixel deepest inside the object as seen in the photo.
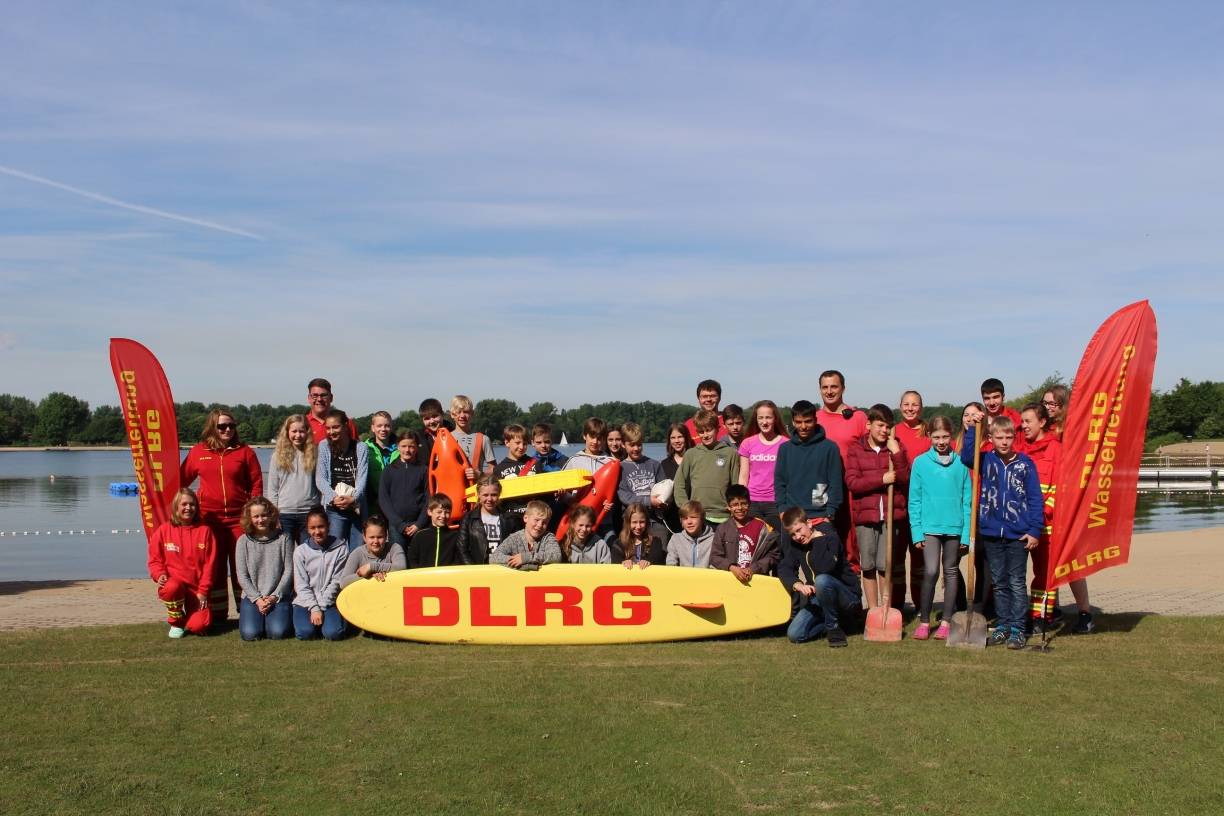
(177, 632)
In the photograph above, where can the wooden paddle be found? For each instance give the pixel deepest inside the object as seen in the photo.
(881, 625)
(968, 628)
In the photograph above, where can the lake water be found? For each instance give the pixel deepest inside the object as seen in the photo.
(73, 527)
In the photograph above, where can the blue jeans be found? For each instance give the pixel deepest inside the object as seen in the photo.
(345, 526)
(1008, 562)
(275, 625)
(333, 628)
(821, 611)
(294, 526)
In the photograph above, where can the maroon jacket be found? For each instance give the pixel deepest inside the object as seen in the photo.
(865, 471)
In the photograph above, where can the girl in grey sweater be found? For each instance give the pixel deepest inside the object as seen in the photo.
(376, 557)
(265, 573)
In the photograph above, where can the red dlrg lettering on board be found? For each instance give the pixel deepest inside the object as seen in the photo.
(610, 606)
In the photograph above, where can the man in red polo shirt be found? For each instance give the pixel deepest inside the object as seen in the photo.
(709, 394)
(844, 426)
(319, 396)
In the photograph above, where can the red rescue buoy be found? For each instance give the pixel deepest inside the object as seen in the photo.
(599, 492)
(448, 466)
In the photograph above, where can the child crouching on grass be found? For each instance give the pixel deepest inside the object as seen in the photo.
(264, 561)
(318, 563)
(182, 557)
(822, 583)
(531, 547)
(376, 557)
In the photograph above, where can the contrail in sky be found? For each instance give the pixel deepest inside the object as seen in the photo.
(114, 202)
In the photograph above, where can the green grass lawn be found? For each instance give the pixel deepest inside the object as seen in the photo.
(123, 720)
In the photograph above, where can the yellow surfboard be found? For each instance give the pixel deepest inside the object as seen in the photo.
(562, 604)
(538, 483)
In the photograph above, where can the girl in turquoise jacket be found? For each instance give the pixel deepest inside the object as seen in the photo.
(940, 501)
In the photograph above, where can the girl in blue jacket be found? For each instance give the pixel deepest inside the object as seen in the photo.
(940, 501)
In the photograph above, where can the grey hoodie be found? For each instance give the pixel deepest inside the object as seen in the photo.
(391, 560)
(317, 571)
(683, 550)
(595, 552)
(264, 567)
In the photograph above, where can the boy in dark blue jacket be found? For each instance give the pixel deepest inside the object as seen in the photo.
(821, 580)
(402, 492)
(808, 473)
(1010, 522)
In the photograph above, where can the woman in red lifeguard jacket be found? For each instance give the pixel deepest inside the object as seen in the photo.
(182, 560)
(1045, 449)
(230, 475)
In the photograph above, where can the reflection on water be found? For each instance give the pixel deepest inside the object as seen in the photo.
(1174, 510)
(79, 499)
(64, 493)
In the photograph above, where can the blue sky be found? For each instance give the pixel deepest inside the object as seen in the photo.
(589, 201)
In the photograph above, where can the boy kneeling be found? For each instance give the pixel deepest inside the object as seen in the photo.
(822, 582)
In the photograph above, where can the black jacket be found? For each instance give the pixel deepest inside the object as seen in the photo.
(402, 495)
(474, 542)
(825, 556)
(655, 553)
(434, 547)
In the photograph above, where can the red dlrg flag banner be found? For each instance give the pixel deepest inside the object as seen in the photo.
(152, 431)
(1094, 510)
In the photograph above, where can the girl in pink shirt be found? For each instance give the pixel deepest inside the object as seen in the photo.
(758, 456)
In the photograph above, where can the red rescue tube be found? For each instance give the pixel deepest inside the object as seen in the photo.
(448, 466)
(599, 492)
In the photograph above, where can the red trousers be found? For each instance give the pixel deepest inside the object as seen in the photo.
(1042, 601)
(226, 534)
(183, 607)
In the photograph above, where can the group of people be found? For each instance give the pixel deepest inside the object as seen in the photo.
(824, 507)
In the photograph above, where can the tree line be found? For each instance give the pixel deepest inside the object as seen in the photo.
(1187, 411)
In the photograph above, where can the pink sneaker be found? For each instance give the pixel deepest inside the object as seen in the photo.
(922, 632)
(942, 632)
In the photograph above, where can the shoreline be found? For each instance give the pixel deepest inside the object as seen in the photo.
(1154, 582)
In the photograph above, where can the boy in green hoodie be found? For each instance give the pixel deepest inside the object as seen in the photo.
(708, 469)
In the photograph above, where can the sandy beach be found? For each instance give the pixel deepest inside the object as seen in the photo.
(1175, 573)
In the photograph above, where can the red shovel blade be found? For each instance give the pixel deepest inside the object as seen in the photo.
(883, 625)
